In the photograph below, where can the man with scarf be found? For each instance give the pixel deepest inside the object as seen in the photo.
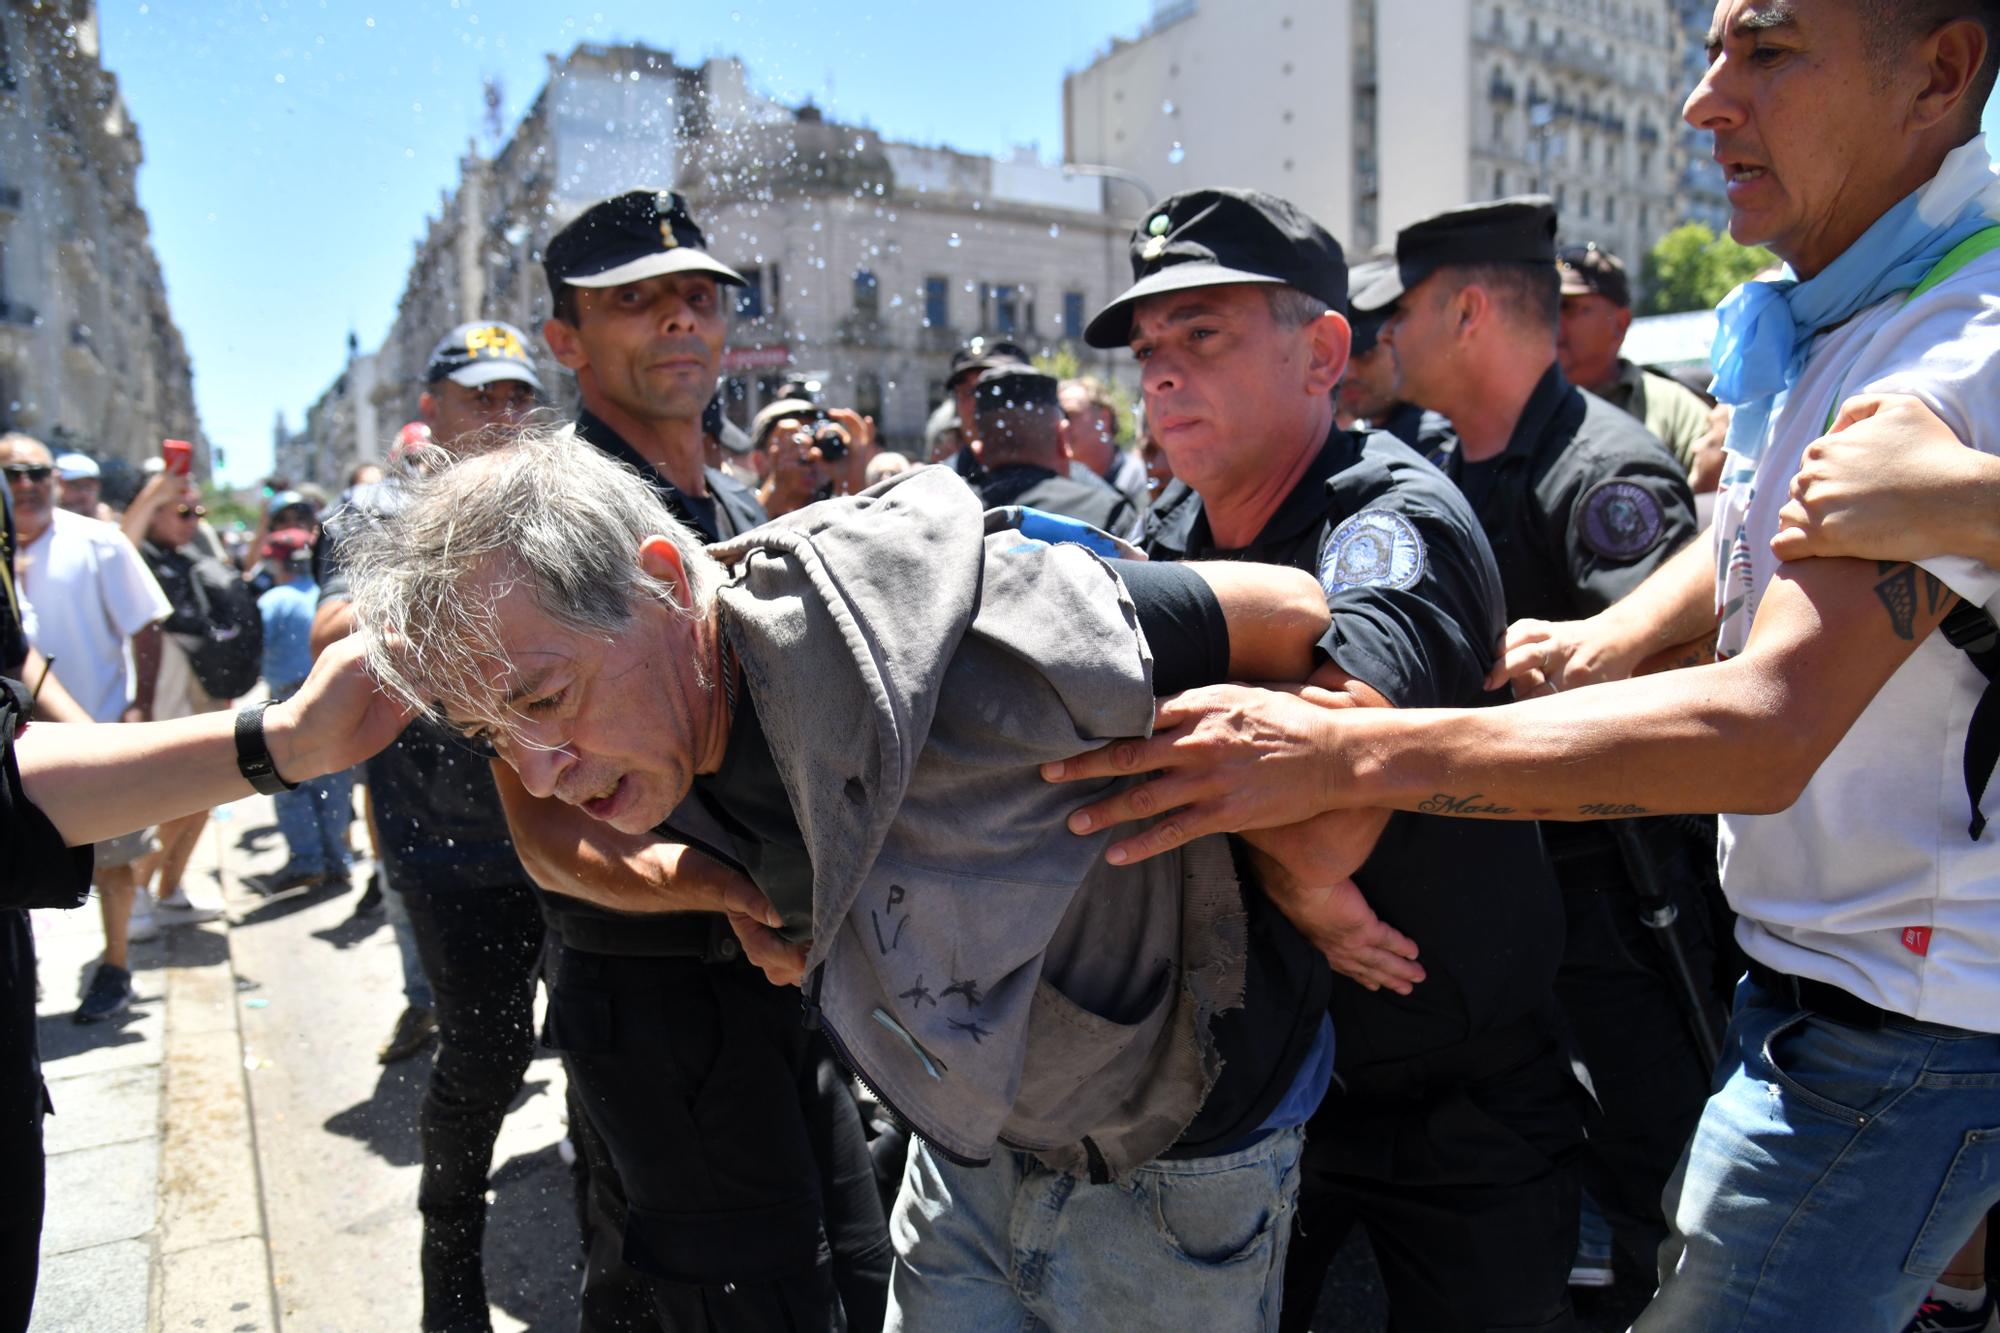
(1850, 1145)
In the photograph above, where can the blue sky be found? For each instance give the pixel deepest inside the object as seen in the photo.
(295, 148)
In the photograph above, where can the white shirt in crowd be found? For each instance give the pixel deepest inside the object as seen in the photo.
(1871, 881)
(85, 593)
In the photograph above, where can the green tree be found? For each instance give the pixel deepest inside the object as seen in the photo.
(1691, 268)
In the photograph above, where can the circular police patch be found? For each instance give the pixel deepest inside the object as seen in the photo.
(1372, 549)
(1620, 520)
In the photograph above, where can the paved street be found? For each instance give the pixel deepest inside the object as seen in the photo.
(228, 1155)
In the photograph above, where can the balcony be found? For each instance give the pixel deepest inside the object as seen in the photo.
(863, 329)
(1503, 92)
(15, 314)
(10, 200)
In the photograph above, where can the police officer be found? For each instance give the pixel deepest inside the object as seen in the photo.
(1371, 391)
(726, 1161)
(1020, 435)
(1596, 313)
(1580, 505)
(1454, 1116)
(447, 858)
(977, 356)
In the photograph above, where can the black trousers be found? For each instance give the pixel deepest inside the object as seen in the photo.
(728, 1166)
(1464, 1185)
(22, 1103)
(480, 949)
(1633, 1030)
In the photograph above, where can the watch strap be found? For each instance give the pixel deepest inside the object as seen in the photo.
(253, 756)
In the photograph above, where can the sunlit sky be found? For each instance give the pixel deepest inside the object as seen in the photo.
(294, 149)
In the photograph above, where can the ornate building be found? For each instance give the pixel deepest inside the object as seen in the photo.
(90, 359)
(869, 260)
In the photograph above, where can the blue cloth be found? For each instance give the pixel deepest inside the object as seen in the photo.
(1309, 1084)
(1834, 1173)
(288, 617)
(1764, 329)
(1195, 1243)
(314, 817)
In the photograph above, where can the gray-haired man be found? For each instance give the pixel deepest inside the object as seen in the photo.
(871, 760)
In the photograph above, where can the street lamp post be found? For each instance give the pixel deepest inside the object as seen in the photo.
(1119, 174)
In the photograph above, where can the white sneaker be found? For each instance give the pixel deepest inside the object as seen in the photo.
(177, 910)
(144, 925)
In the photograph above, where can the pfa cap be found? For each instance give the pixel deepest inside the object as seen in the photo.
(1521, 230)
(482, 353)
(76, 467)
(638, 234)
(1588, 271)
(1373, 290)
(980, 355)
(1014, 386)
(1208, 238)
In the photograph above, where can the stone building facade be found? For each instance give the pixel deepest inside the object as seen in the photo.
(90, 359)
(869, 260)
(1374, 113)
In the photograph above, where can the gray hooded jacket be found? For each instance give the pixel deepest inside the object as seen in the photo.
(980, 966)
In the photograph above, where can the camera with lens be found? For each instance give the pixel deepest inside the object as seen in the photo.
(825, 435)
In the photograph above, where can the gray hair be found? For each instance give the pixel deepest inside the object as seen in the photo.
(1292, 308)
(545, 516)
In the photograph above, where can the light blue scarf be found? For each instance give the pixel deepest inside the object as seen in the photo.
(1764, 329)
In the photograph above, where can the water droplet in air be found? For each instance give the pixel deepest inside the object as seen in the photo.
(1176, 153)
(953, 241)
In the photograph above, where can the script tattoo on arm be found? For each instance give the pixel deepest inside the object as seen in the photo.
(1606, 809)
(1446, 804)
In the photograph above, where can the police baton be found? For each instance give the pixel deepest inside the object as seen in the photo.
(1662, 917)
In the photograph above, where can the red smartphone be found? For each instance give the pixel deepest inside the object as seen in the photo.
(179, 455)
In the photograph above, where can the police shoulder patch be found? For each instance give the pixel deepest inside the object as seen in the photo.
(1376, 548)
(1619, 519)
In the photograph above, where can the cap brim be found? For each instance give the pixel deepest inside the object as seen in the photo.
(680, 260)
(481, 373)
(1112, 326)
(1577, 287)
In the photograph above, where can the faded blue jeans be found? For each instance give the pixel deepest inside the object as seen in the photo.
(1834, 1173)
(1196, 1244)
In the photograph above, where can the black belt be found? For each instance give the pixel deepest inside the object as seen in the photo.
(1822, 998)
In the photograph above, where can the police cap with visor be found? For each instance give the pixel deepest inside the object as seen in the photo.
(636, 235)
(1217, 237)
(1587, 270)
(1373, 290)
(481, 353)
(1520, 230)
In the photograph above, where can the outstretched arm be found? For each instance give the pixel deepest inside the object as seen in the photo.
(1741, 735)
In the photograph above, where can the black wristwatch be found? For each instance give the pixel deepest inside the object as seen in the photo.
(253, 756)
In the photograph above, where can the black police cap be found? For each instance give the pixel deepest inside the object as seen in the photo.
(1521, 230)
(983, 354)
(1208, 238)
(1015, 386)
(638, 234)
(480, 353)
(1373, 290)
(1587, 270)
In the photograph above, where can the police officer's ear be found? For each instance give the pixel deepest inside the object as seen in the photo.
(1471, 307)
(1329, 339)
(427, 408)
(564, 345)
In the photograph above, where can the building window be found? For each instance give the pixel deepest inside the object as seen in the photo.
(1499, 185)
(1586, 205)
(1072, 319)
(1005, 309)
(750, 296)
(937, 307)
(1610, 208)
(868, 394)
(867, 295)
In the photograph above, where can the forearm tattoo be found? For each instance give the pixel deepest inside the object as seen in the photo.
(1899, 591)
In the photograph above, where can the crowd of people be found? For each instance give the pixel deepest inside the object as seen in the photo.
(1437, 780)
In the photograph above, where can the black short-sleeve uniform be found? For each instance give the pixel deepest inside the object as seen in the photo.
(1581, 507)
(1086, 500)
(1455, 1096)
(725, 1154)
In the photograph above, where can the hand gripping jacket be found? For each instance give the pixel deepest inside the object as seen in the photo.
(980, 966)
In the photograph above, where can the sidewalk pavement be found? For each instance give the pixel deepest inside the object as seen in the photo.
(228, 1155)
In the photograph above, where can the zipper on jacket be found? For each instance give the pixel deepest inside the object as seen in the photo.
(895, 1111)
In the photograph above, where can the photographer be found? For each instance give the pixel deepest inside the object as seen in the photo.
(807, 450)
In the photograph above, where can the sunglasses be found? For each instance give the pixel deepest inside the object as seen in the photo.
(28, 471)
(192, 511)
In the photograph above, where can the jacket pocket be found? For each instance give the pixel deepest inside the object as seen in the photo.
(1080, 1065)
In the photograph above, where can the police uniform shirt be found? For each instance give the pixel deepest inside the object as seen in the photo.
(1429, 433)
(13, 633)
(1579, 508)
(1416, 613)
(728, 510)
(1088, 501)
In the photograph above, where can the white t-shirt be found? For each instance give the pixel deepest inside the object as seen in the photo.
(1870, 880)
(86, 591)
